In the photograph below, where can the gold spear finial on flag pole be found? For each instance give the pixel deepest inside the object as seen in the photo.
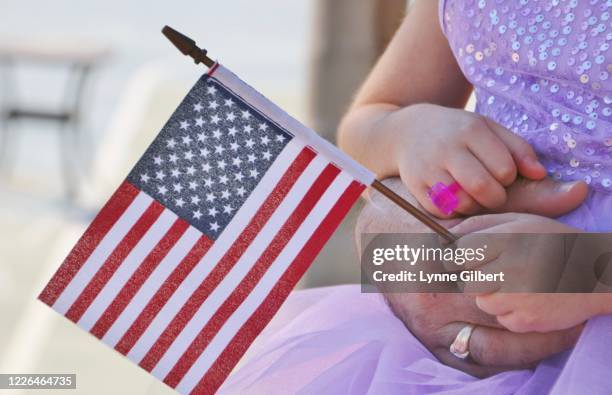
(188, 47)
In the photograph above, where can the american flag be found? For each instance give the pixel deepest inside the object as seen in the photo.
(201, 244)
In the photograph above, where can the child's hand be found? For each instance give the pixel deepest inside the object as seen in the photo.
(529, 312)
(524, 247)
(459, 146)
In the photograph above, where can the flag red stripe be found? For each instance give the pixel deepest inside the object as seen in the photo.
(146, 316)
(114, 260)
(140, 275)
(226, 361)
(229, 259)
(106, 218)
(251, 279)
(213, 69)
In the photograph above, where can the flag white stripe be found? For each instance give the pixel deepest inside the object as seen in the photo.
(216, 251)
(265, 285)
(238, 272)
(102, 252)
(174, 257)
(280, 117)
(123, 273)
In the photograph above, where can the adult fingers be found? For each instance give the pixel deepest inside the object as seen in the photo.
(476, 287)
(477, 249)
(523, 154)
(501, 348)
(545, 197)
(489, 245)
(493, 304)
(482, 223)
(476, 233)
(476, 180)
(465, 307)
(466, 365)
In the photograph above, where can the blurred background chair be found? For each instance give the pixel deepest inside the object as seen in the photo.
(79, 59)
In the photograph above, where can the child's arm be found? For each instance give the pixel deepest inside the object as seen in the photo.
(393, 131)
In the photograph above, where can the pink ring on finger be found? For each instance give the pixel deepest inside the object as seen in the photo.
(444, 196)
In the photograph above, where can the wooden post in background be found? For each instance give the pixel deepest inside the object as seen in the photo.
(349, 35)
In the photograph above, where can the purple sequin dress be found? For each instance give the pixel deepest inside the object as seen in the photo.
(542, 69)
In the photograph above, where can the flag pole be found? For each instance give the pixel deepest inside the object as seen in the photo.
(414, 211)
(188, 47)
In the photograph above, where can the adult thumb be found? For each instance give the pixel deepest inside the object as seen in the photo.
(544, 197)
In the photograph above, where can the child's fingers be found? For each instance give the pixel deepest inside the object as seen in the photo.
(494, 155)
(421, 194)
(476, 180)
(466, 206)
(524, 156)
(419, 190)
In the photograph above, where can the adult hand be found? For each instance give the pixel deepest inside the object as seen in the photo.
(435, 319)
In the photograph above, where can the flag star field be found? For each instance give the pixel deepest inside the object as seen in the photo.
(209, 157)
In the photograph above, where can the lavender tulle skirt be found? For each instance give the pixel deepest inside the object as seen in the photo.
(337, 340)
